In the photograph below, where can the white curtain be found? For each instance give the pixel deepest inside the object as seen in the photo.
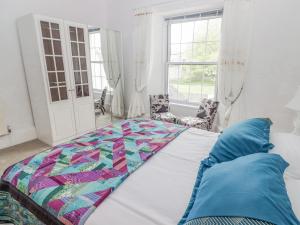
(112, 58)
(142, 60)
(234, 54)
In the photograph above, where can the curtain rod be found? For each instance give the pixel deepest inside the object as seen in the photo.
(164, 4)
(143, 14)
(93, 29)
(209, 13)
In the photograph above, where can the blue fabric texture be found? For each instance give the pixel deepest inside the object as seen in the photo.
(251, 186)
(244, 138)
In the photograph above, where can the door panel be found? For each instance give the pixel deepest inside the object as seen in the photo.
(57, 78)
(84, 121)
(63, 120)
(81, 80)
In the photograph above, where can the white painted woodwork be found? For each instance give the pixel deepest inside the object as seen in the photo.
(62, 119)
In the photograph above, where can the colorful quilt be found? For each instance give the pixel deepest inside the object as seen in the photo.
(70, 180)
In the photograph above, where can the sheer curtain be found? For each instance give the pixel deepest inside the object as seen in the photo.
(142, 60)
(111, 52)
(234, 55)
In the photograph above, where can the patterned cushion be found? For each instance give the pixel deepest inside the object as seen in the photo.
(167, 117)
(159, 103)
(205, 115)
(195, 122)
(226, 221)
(207, 110)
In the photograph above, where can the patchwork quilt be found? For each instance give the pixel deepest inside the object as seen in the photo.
(65, 184)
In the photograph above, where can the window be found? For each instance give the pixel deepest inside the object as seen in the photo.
(193, 49)
(98, 73)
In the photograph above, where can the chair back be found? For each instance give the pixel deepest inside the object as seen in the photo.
(159, 103)
(208, 110)
(103, 96)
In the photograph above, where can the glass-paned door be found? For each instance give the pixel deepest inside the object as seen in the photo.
(51, 38)
(79, 61)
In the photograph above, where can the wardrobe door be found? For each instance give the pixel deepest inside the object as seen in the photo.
(57, 78)
(81, 80)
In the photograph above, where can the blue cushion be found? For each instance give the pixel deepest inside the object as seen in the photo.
(251, 186)
(244, 138)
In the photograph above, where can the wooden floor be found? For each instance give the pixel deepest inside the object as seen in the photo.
(17, 153)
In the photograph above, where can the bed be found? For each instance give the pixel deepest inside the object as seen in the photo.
(159, 191)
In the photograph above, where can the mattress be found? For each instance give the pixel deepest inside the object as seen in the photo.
(162, 200)
(158, 192)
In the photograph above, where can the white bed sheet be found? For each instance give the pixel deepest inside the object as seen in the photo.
(159, 192)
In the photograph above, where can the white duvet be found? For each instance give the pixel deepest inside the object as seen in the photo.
(159, 192)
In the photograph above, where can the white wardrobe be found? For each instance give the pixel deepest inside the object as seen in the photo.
(57, 65)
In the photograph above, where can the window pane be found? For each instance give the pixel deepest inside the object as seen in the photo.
(63, 93)
(187, 52)
(47, 47)
(214, 27)
(195, 41)
(212, 51)
(187, 35)
(55, 30)
(45, 29)
(73, 34)
(61, 77)
(209, 81)
(57, 47)
(191, 83)
(74, 48)
(80, 34)
(200, 31)
(84, 77)
(102, 70)
(79, 91)
(54, 94)
(85, 89)
(176, 33)
(98, 73)
(59, 63)
(52, 79)
(50, 63)
(83, 64)
(81, 49)
(173, 82)
(76, 63)
(77, 77)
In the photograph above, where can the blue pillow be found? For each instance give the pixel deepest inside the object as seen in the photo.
(244, 138)
(251, 186)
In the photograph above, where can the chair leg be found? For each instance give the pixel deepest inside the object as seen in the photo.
(102, 110)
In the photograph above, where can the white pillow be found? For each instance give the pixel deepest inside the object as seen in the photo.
(293, 187)
(288, 146)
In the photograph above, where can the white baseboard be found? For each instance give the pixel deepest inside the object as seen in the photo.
(18, 137)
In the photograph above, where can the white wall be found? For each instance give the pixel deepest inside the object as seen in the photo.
(274, 63)
(13, 89)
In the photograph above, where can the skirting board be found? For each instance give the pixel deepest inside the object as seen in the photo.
(18, 137)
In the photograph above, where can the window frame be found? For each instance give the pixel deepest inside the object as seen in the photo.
(168, 63)
(101, 63)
